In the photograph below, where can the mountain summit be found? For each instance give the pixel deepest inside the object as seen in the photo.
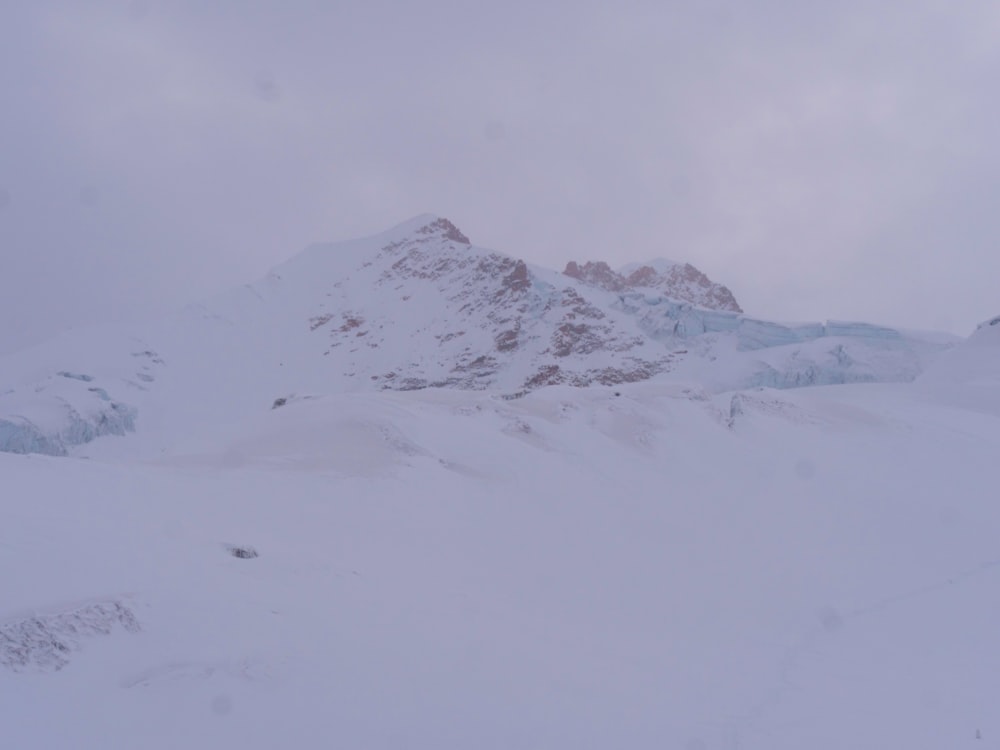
(430, 226)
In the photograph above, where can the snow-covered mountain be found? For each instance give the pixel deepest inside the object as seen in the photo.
(419, 307)
(347, 513)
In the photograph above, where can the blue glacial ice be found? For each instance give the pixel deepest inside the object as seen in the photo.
(19, 435)
(662, 318)
(51, 424)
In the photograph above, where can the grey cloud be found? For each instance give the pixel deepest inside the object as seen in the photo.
(823, 160)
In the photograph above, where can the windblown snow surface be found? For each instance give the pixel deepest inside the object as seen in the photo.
(573, 569)
(653, 564)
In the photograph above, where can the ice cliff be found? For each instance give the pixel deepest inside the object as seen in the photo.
(61, 411)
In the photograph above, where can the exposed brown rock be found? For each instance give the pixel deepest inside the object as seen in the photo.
(546, 375)
(351, 322)
(506, 341)
(319, 321)
(575, 338)
(446, 229)
(517, 280)
(645, 276)
(597, 274)
(682, 281)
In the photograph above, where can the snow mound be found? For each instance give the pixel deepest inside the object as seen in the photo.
(987, 333)
(969, 374)
(347, 436)
(46, 642)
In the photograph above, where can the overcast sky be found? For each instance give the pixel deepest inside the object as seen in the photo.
(824, 160)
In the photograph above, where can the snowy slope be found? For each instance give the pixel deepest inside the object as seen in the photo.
(417, 307)
(969, 374)
(773, 570)
(360, 504)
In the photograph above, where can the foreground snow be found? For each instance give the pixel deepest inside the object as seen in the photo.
(641, 566)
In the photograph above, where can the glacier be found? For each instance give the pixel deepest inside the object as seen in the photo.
(19, 435)
(52, 422)
(662, 317)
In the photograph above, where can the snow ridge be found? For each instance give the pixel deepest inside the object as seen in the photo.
(46, 642)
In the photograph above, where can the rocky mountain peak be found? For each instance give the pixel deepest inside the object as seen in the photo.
(441, 227)
(597, 274)
(423, 231)
(680, 281)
